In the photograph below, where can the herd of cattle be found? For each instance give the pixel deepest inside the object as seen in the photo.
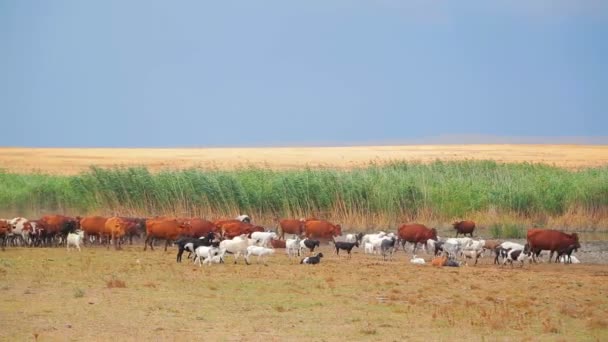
(210, 241)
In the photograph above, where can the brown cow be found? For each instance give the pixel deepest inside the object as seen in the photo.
(277, 243)
(464, 227)
(197, 227)
(117, 227)
(230, 230)
(321, 229)
(291, 226)
(416, 233)
(94, 226)
(551, 240)
(5, 230)
(167, 229)
(58, 225)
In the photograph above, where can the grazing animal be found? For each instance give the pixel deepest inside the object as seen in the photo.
(264, 237)
(58, 226)
(369, 237)
(387, 247)
(354, 237)
(21, 230)
(312, 260)
(94, 226)
(491, 244)
(472, 253)
(347, 246)
(117, 228)
(278, 244)
(566, 253)
(244, 218)
(464, 228)
(206, 252)
(168, 229)
(75, 239)
(237, 246)
(500, 250)
(233, 228)
(321, 229)
(216, 259)
(438, 247)
(520, 255)
(416, 233)
(5, 230)
(291, 226)
(439, 261)
(309, 244)
(417, 261)
(191, 244)
(369, 248)
(551, 240)
(260, 252)
(573, 259)
(293, 246)
(197, 227)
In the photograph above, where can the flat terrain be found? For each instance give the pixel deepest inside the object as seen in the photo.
(74, 160)
(133, 295)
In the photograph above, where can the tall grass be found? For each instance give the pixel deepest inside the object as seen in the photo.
(361, 197)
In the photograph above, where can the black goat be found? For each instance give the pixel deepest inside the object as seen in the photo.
(312, 260)
(347, 246)
(190, 244)
(311, 244)
(388, 247)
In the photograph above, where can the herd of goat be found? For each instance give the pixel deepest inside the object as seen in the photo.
(211, 249)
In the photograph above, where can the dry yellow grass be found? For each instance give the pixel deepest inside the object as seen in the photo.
(74, 160)
(49, 295)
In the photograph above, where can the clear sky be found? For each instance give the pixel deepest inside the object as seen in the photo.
(258, 73)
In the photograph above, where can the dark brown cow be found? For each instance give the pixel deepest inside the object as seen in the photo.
(137, 227)
(54, 225)
(5, 230)
(321, 229)
(197, 227)
(167, 229)
(291, 226)
(416, 233)
(230, 230)
(94, 226)
(464, 227)
(551, 240)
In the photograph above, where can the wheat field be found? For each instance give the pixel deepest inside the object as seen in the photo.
(75, 160)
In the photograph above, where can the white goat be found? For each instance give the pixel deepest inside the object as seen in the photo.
(416, 260)
(237, 246)
(205, 252)
(369, 248)
(292, 246)
(217, 259)
(264, 237)
(260, 252)
(75, 239)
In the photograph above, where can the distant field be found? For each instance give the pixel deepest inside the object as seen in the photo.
(71, 161)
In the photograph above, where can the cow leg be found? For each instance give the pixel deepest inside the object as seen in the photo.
(550, 256)
(146, 242)
(415, 244)
(166, 244)
(179, 254)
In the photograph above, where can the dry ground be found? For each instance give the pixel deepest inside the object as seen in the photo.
(103, 294)
(74, 160)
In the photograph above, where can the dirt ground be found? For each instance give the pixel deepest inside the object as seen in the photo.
(74, 160)
(49, 294)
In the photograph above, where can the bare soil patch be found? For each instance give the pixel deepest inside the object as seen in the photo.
(50, 294)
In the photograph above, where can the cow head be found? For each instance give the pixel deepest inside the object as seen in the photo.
(433, 234)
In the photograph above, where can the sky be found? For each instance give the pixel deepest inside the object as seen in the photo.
(148, 73)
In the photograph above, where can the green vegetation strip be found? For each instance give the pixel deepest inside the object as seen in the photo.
(393, 191)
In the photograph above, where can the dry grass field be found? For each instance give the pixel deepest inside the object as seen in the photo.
(48, 294)
(74, 160)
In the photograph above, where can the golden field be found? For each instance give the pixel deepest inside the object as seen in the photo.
(74, 160)
(48, 294)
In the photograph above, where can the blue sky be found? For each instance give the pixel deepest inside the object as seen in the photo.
(267, 73)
